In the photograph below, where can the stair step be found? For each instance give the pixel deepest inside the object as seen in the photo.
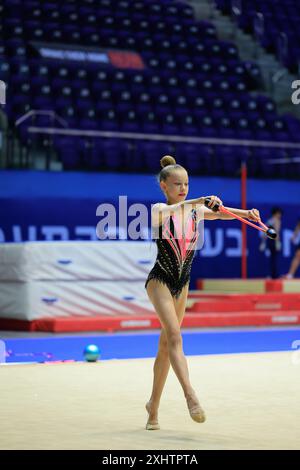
(250, 49)
(256, 286)
(215, 319)
(246, 304)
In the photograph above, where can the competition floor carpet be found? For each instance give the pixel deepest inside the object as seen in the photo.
(248, 382)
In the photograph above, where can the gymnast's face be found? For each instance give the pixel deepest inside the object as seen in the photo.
(176, 186)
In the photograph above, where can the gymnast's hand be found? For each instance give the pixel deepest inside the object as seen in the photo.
(253, 214)
(213, 202)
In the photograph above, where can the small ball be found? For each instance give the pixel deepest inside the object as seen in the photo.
(91, 353)
(271, 233)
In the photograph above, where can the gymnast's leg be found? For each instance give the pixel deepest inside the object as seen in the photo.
(163, 303)
(162, 361)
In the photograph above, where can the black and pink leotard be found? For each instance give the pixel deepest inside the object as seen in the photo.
(176, 250)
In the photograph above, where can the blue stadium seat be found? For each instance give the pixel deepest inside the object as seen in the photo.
(193, 83)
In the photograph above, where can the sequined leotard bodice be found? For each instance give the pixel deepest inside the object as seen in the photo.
(176, 249)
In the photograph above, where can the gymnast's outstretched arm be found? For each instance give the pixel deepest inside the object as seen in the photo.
(161, 211)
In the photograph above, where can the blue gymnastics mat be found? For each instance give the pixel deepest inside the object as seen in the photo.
(142, 345)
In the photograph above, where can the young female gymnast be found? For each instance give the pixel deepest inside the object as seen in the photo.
(167, 284)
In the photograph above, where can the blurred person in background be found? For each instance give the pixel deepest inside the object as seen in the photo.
(273, 246)
(296, 259)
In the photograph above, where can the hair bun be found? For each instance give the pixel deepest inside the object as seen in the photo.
(167, 160)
